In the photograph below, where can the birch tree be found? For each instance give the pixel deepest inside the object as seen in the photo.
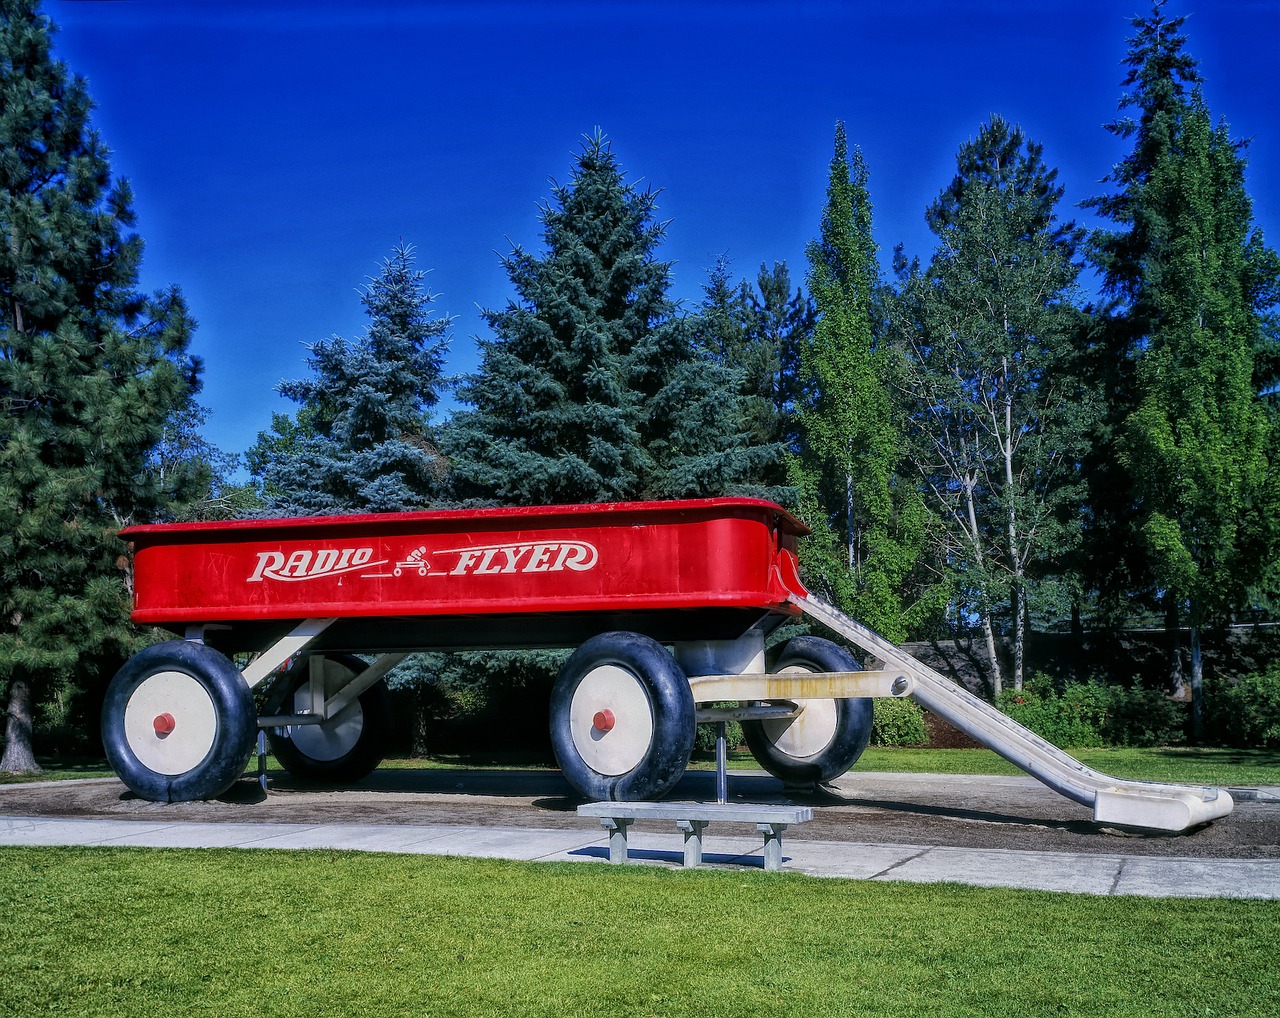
(999, 415)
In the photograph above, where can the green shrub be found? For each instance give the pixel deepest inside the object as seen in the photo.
(897, 722)
(1074, 717)
(1091, 714)
(1142, 717)
(1068, 720)
(66, 723)
(1245, 713)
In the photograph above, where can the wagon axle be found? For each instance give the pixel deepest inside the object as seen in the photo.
(603, 720)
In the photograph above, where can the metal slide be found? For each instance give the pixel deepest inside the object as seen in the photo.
(1127, 803)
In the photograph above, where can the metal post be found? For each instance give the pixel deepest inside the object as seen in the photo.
(722, 766)
(262, 759)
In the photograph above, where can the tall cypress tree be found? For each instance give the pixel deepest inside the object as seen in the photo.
(1197, 440)
(91, 371)
(592, 388)
(1159, 73)
(362, 441)
(851, 423)
(1192, 283)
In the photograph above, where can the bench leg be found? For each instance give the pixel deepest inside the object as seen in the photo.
(772, 844)
(692, 840)
(617, 828)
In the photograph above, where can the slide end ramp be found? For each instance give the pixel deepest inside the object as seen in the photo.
(1137, 804)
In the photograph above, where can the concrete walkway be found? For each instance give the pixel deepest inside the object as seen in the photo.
(1049, 871)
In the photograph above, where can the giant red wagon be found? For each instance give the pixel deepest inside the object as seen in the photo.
(667, 604)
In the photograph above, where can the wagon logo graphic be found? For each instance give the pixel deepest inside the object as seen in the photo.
(522, 557)
(306, 564)
(478, 560)
(416, 561)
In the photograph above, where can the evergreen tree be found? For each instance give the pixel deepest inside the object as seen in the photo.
(1193, 287)
(759, 333)
(851, 423)
(362, 441)
(1158, 76)
(784, 321)
(1196, 443)
(591, 388)
(728, 334)
(91, 372)
(991, 362)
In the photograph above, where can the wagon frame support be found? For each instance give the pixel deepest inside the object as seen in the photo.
(807, 686)
(293, 644)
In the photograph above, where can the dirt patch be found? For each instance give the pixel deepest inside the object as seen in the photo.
(960, 811)
(944, 735)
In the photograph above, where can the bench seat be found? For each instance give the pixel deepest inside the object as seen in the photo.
(692, 818)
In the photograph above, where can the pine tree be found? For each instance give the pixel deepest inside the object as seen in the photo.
(1193, 287)
(727, 333)
(91, 373)
(784, 322)
(362, 441)
(852, 426)
(990, 350)
(592, 388)
(758, 332)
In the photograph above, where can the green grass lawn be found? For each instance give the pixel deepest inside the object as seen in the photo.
(1231, 767)
(1182, 764)
(61, 769)
(1211, 766)
(142, 932)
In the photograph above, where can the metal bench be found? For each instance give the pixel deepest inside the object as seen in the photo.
(692, 818)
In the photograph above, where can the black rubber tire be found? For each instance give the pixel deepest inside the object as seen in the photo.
(852, 725)
(670, 700)
(373, 712)
(231, 742)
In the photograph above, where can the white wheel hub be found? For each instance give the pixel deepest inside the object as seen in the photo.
(170, 722)
(336, 737)
(611, 720)
(810, 732)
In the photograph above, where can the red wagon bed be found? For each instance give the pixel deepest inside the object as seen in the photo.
(530, 577)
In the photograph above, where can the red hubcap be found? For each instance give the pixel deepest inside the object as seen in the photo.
(164, 724)
(603, 721)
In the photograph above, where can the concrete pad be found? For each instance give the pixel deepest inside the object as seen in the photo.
(1200, 878)
(39, 831)
(498, 843)
(195, 835)
(1051, 871)
(356, 837)
(845, 859)
(1044, 871)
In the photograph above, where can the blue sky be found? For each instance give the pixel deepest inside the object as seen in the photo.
(278, 149)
